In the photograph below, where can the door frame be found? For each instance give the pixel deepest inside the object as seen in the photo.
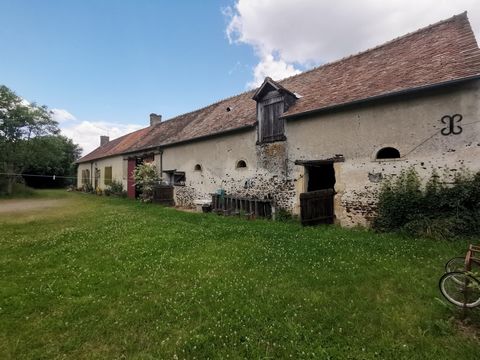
(306, 164)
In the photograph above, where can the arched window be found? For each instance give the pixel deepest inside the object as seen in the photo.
(388, 153)
(198, 167)
(241, 164)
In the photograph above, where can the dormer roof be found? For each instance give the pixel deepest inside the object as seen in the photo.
(269, 85)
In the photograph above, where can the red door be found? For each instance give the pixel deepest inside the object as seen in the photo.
(130, 181)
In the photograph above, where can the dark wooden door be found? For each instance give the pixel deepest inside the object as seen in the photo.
(316, 207)
(130, 180)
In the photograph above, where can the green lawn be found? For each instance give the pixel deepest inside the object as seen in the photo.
(102, 277)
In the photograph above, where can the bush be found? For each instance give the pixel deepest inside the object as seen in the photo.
(115, 188)
(88, 188)
(19, 190)
(436, 210)
(283, 215)
(146, 178)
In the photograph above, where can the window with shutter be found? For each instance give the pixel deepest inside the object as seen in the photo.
(272, 101)
(272, 127)
(85, 177)
(108, 175)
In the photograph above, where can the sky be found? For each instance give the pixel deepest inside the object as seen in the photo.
(102, 66)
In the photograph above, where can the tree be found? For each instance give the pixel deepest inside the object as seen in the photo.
(52, 155)
(19, 123)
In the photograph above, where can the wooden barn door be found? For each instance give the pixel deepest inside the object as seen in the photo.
(317, 204)
(316, 207)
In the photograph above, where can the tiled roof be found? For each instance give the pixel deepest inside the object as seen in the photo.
(439, 53)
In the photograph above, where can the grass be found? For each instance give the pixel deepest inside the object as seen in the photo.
(111, 278)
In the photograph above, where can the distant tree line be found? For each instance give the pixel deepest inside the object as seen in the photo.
(30, 143)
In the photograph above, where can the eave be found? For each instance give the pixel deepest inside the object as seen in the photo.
(379, 97)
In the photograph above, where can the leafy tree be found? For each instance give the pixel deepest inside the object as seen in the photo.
(52, 155)
(19, 123)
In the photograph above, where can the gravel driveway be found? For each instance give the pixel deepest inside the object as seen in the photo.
(18, 205)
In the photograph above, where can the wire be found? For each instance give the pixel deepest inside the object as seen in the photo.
(431, 136)
(44, 176)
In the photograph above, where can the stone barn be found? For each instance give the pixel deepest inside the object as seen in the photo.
(329, 134)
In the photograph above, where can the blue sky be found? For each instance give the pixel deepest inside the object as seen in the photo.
(117, 61)
(105, 65)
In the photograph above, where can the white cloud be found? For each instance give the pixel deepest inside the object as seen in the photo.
(275, 68)
(287, 35)
(62, 116)
(87, 133)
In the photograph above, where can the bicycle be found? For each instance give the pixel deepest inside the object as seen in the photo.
(460, 284)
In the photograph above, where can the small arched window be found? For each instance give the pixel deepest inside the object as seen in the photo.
(241, 164)
(388, 153)
(198, 167)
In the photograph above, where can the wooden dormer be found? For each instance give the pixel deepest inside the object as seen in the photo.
(272, 101)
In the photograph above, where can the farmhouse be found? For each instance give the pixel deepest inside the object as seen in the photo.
(332, 132)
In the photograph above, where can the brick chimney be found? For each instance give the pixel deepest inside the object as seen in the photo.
(155, 119)
(104, 140)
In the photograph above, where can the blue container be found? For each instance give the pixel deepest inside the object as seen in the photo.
(220, 192)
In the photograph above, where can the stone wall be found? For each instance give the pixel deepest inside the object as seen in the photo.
(411, 124)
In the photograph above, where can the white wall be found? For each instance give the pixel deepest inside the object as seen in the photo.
(119, 170)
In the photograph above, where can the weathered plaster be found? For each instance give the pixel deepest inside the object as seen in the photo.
(264, 176)
(410, 124)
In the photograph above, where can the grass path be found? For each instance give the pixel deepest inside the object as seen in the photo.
(111, 278)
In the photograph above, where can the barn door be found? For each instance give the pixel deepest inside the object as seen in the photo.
(317, 204)
(316, 207)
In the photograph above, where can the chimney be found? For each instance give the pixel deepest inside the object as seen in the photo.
(155, 119)
(104, 140)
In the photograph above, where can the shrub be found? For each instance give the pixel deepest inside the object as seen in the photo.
(436, 210)
(283, 215)
(146, 178)
(88, 188)
(19, 189)
(115, 188)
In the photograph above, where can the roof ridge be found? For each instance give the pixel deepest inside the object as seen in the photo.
(411, 33)
(376, 47)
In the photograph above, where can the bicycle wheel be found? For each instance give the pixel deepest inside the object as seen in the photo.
(455, 264)
(460, 289)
